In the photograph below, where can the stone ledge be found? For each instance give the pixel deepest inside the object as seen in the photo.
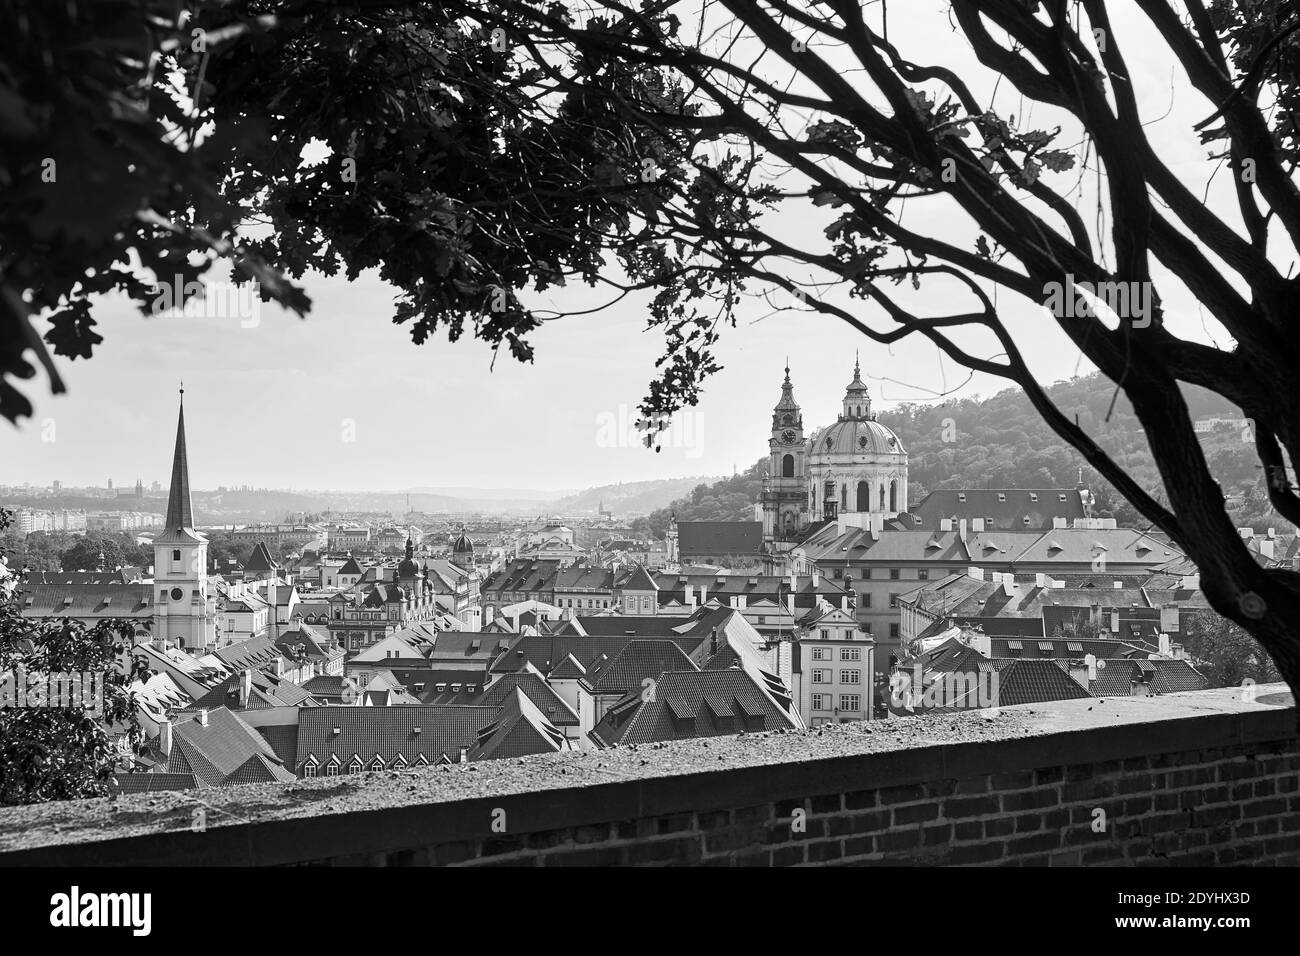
(377, 813)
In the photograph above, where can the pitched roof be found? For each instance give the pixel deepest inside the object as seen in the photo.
(719, 537)
(1007, 507)
(531, 683)
(568, 669)
(689, 704)
(636, 661)
(214, 751)
(545, 651)
(519, 729)
(1035, 682)
(639, 580)
(260, 559)
(267, 690)
(254, 652)
(91, 601)
(433, 731)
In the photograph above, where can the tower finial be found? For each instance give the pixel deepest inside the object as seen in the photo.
(857, 365)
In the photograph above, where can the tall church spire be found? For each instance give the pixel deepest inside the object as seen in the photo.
(180, 512)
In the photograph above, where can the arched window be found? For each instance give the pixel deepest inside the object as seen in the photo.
(882, 498)
(893, 495)
(844, 497)
(787, 466)
(864, 496)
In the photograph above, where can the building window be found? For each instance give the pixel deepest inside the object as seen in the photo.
(821, 677)
(850, 653)
(332, 770)
(923, 575)
(851, 677)
(176, 554)
(821, 654)
(309, 770)
(866, 599)
(893, 574)
(820, 702)
(893, 600)
(850, 702)
(837, 572)
(826, 634)
(893, 631)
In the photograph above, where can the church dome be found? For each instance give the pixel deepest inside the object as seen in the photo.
(462, 544)
(856, 437)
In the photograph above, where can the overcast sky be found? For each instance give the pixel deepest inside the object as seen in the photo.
(344, 400)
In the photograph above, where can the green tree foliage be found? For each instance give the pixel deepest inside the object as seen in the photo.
(73, 551)
(1226, 654)
(48, 753)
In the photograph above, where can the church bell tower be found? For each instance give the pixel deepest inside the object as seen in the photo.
(785, 489)
(180, 563)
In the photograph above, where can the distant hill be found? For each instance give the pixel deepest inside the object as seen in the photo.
(1001, 442)
(628, 497)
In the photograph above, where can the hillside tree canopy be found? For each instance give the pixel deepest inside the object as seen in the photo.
(476, 154)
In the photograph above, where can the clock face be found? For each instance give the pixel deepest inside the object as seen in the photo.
(788, 436)
(177, 594)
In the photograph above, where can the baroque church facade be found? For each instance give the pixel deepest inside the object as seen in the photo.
(853, 470)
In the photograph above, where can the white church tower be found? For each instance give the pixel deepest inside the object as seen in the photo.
(182, 615)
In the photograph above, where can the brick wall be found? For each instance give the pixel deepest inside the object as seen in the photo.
(1200, 807)
(1192, 778)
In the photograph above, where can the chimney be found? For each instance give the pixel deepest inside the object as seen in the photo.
(1059, 523)
(816, 578)
(1009, 586)
(961, 529)
(165, 736)
(202, 716)
(977, 524)
(1114, 621)
(1164, 644)
(1040, 580)
(246, 686)
(704, 594)
(1169, 618)
(945, 524)
(713, 642)
(1091, 661)
(1190, 582)
(464, 755)
(1266, 547)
